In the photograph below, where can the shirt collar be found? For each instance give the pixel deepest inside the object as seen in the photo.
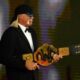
(23, 28)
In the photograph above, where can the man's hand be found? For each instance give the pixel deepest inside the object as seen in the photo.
(57, 57)
(30, 65)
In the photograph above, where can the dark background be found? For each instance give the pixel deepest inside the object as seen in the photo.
(66, 33)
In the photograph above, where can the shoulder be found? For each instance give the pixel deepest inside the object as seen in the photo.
(11, 31)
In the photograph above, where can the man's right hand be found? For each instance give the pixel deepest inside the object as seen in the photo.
(30, 65)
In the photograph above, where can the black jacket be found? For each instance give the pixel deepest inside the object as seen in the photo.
(13, 45)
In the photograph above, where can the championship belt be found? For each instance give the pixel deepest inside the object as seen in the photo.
(44, 54)
(28, 57)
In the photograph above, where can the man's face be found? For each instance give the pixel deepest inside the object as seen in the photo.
(25, 19)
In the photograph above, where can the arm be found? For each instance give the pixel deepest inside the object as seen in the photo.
(8, 48)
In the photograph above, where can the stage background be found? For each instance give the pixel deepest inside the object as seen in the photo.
(56, 22)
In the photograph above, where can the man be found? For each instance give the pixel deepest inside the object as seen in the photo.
(17, 40)
(18, 43)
